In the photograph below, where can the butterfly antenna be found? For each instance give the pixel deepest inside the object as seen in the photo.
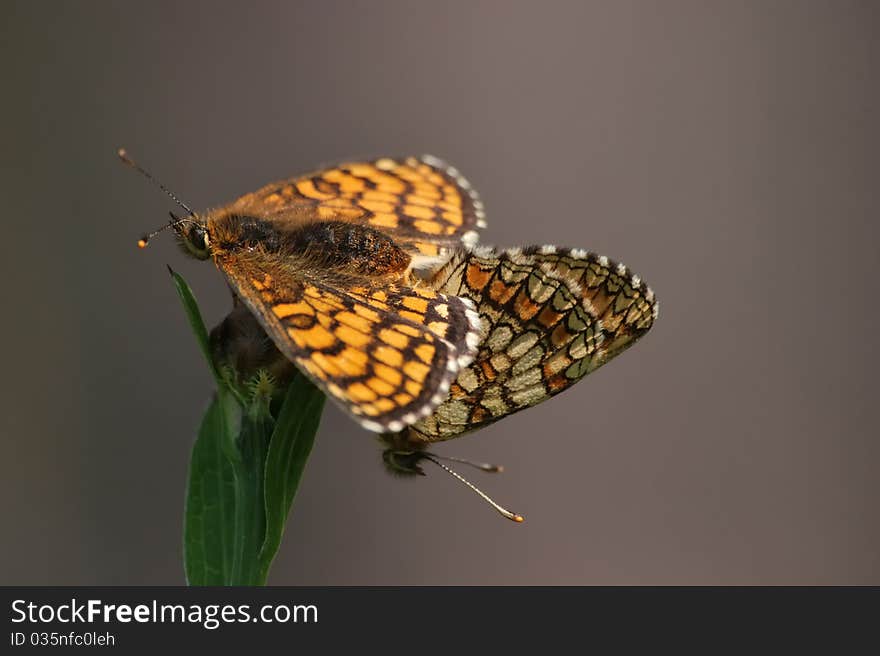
(482, 466)
(503, 511)
(142, 242)
(123, 155)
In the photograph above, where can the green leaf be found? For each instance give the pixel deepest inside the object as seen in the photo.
(209, 513)
(289, 449)
(195, 321)
(250, 518)
(244, 470)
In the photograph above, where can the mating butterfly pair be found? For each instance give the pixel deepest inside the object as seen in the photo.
(367, 276)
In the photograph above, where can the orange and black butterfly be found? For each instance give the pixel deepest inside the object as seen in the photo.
(327, 262)
(366, 276)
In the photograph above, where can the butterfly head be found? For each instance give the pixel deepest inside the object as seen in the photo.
(192, 235)
(401, 455)
(192, 230)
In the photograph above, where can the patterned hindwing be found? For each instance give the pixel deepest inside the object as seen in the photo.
(549, 317)
(427, 206)
(387, 356)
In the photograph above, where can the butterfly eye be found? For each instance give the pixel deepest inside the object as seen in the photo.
(197, 241)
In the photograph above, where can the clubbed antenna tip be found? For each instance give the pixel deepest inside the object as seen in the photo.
(512, 516)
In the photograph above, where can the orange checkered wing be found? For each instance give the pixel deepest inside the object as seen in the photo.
(386, 355)
(549, 317)
(424, 204)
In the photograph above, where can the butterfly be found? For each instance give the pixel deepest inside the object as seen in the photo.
(367, 277)
(549, 316)
(327, 262)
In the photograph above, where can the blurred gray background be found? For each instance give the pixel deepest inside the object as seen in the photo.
(726, 151)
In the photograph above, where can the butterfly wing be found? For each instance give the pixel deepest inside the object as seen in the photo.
(549, 317)
(386, 355)
(424, 204)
